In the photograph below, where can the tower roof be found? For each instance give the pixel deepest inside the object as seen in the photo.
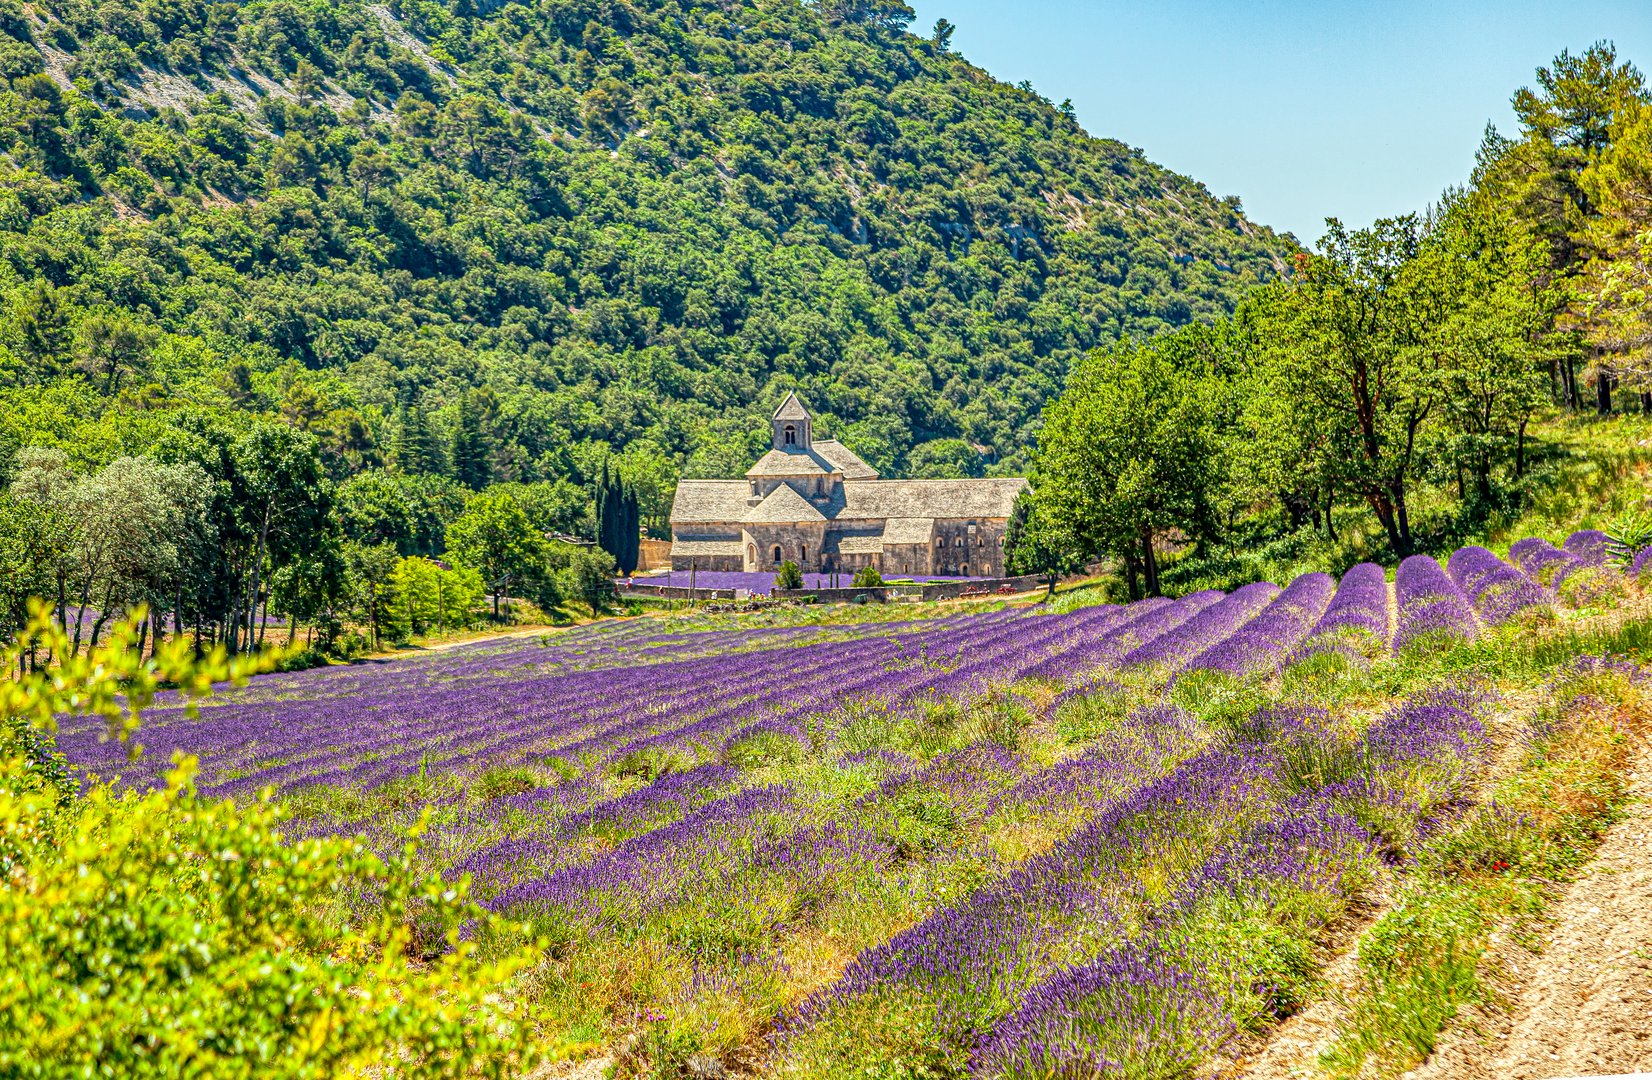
(791, 409)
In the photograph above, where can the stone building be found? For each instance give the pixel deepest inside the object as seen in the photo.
(813, 502)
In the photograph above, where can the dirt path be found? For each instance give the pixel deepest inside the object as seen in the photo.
(1581, 1007)
(1584, 1005)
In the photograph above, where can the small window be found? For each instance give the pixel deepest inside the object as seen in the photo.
(791, 435)
(964, 570)
(978, 542)
(751, 553)
(1000, 541)
(803, 553)
(940, 542)
(777, 553)
(958, 543)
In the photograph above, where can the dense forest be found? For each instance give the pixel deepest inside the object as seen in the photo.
(1393, 382)
(567, 230)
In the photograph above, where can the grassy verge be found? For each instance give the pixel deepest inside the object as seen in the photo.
(1496, 870)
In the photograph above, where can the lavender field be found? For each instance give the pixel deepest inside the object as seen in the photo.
(1003, 843)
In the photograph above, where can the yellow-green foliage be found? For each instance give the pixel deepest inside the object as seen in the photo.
(157, 934)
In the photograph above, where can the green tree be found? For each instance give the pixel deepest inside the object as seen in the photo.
(417, 449)
(1128, 451)
(590, 577)
(472, 452)
(1033, 547)
(370, 577)
(495, 537)
(789, 576)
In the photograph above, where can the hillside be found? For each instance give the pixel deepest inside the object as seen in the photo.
(590, 224)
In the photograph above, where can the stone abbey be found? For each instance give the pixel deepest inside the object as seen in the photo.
(815, 503)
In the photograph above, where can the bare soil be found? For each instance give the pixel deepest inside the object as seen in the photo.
(1583, 1005)
(1580, 1005)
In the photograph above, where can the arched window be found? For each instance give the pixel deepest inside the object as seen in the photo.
(791, 435)
(751, 553)
(940, 542)
(978, 541)
(1000, 541)
(958, 543)
(964, 570)
(803, 553)
(777, 553)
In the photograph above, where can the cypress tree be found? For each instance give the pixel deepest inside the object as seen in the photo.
(604, 511)
(630, 545)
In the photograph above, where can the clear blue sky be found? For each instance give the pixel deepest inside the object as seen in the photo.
(1302, 109)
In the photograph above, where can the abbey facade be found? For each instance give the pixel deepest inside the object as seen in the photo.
(813, 502)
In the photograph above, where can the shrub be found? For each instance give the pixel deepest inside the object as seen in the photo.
(867, 577)
(159, 934)
(790, 576)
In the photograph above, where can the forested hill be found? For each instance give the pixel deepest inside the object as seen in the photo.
(553, 227)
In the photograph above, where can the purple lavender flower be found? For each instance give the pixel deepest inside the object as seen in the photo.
(1206, 628)
(1429, 604)
(1543, 562)
(1588, 546)
(1134, 1011)
(1261, 643)
(1498, 591)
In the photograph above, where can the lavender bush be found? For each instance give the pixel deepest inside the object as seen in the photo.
(1543, 562)
(1211, 625)
(1498, 591)
(1429, 604)
(1262, 643)
(1589, 546)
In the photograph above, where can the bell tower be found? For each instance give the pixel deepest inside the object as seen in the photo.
(792, 426)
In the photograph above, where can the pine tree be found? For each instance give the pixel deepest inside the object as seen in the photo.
(472, 454)
(417, 450)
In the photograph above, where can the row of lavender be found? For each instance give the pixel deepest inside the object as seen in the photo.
(1141, 824)
(1077, 962)
(475, 708)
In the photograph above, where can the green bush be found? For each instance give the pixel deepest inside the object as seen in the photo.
(867, 577)
(159, 934)
(790, 576)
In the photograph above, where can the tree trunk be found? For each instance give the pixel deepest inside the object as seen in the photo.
(80, 616)
(1603, 394)
(1402, 517)
(1131, 578)
(1382, 505)
(1330, 504)
(1646, 402)
(258, 566)
(1520, 450)
(1150, 564)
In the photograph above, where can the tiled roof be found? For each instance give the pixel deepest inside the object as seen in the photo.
(709, 501)
(989, 498)
(791, 409)
(783, 506)
(792, 462)
(844, 460)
